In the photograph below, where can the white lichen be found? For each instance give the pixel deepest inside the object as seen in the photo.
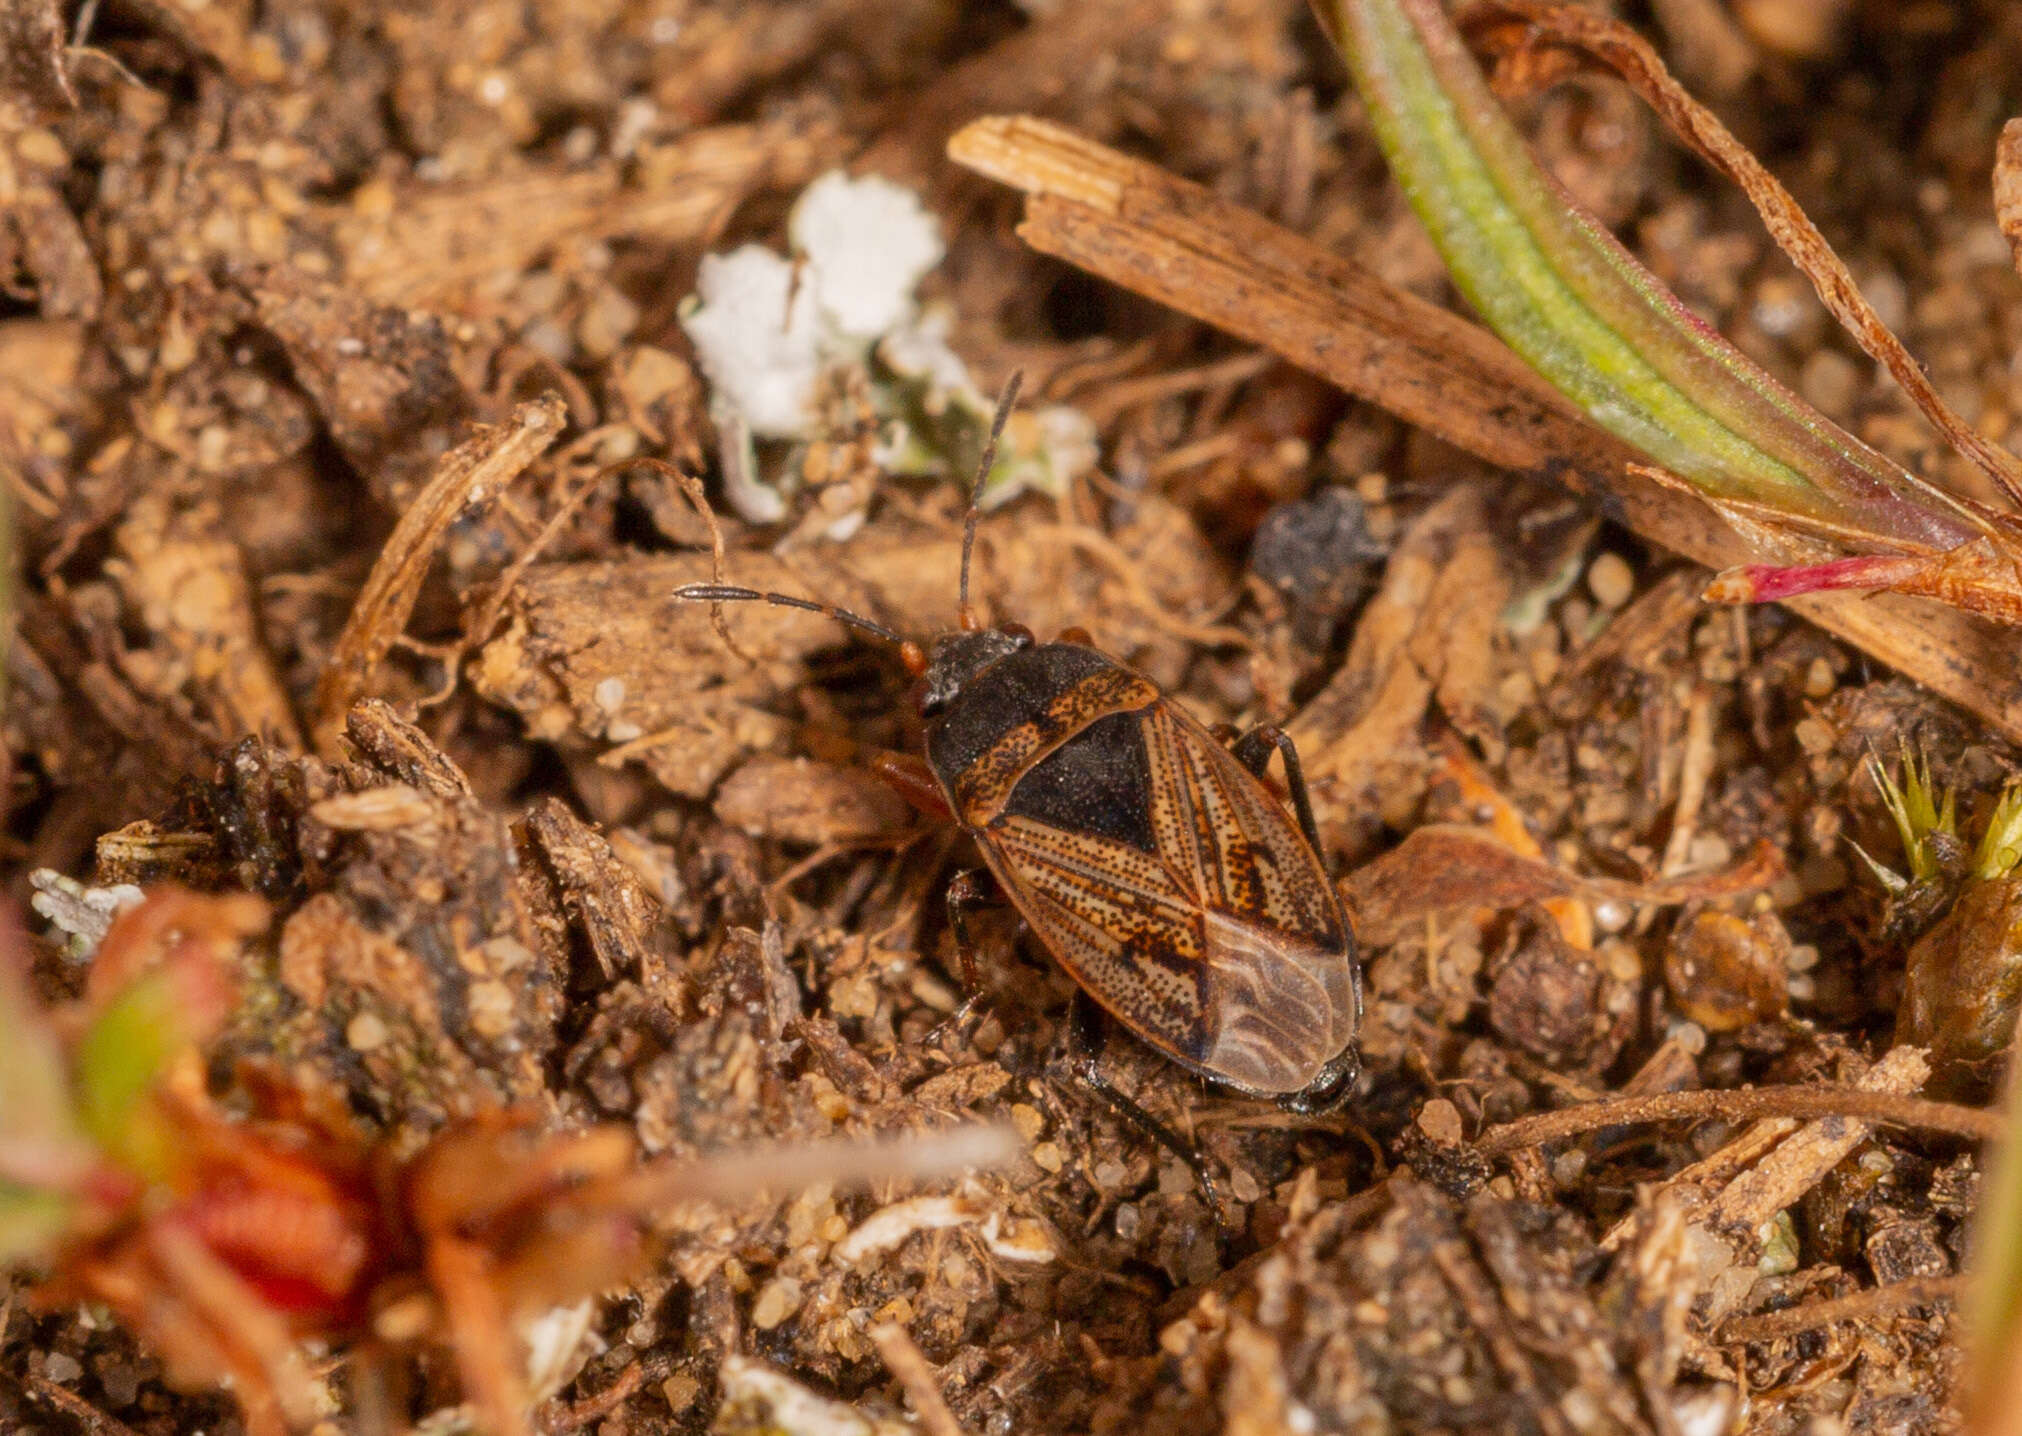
(757, 334)
(766, 329)
(867, 244)
(82, 914)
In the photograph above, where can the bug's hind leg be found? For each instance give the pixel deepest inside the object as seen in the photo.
(1084, 1048)
(967, 892)
(1253, 750)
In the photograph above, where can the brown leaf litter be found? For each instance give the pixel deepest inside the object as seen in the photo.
(349, 426)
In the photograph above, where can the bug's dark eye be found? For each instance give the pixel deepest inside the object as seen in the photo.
(1018, 633)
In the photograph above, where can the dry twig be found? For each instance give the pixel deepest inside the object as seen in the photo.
(1824, 1100)
(1860, 1306)
(905, 1361)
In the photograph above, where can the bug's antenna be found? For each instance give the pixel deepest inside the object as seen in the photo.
(725, 593)
(1004, 402)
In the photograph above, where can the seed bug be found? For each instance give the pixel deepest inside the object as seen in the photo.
(1150, 856)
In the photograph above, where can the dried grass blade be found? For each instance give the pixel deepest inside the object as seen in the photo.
(1558, 288)
(1631, 57)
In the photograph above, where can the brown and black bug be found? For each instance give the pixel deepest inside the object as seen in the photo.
(1150, 857)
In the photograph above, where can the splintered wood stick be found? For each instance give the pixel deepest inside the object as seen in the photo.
(1166, 238)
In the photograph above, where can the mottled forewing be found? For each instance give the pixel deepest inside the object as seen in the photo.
(1228, 839)
(1117, 919)
(1220, 942)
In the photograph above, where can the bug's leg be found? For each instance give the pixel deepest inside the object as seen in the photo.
(912, 780)
(966, 893)
(1084, 1048)
(1253, 751)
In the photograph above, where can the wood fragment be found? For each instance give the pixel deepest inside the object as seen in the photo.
(469, 474)
(1738, 1211)
(94, 1421)
(429, 241)
(1139, 226)
(1695, 768)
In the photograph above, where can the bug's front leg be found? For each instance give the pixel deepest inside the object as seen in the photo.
(966, 893)
(913, 780)
(1084, 1049)
(1253, 750)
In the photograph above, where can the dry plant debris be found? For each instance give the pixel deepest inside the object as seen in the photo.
(351, 433)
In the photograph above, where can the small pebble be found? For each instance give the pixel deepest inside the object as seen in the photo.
(120, 1382)
(1887, 295)
(365, 1033)
(61, 1369)
(607, 321)
(1439, 1119)
(779, 1300)
(1782, 304)
(1813, 735)
(1831, 381)
(490, 1005)
(1027, 1119)
(680, 1391)
(40, 147)
(1610, 580)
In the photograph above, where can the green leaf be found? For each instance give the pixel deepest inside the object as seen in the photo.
(32, 1221)
(120, 1058)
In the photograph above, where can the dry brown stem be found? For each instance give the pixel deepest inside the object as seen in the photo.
(1861, 1306)
(1142, 227)
(1824, 1100)
(906, 1362)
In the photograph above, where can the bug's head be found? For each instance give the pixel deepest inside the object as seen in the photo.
(957, 657)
